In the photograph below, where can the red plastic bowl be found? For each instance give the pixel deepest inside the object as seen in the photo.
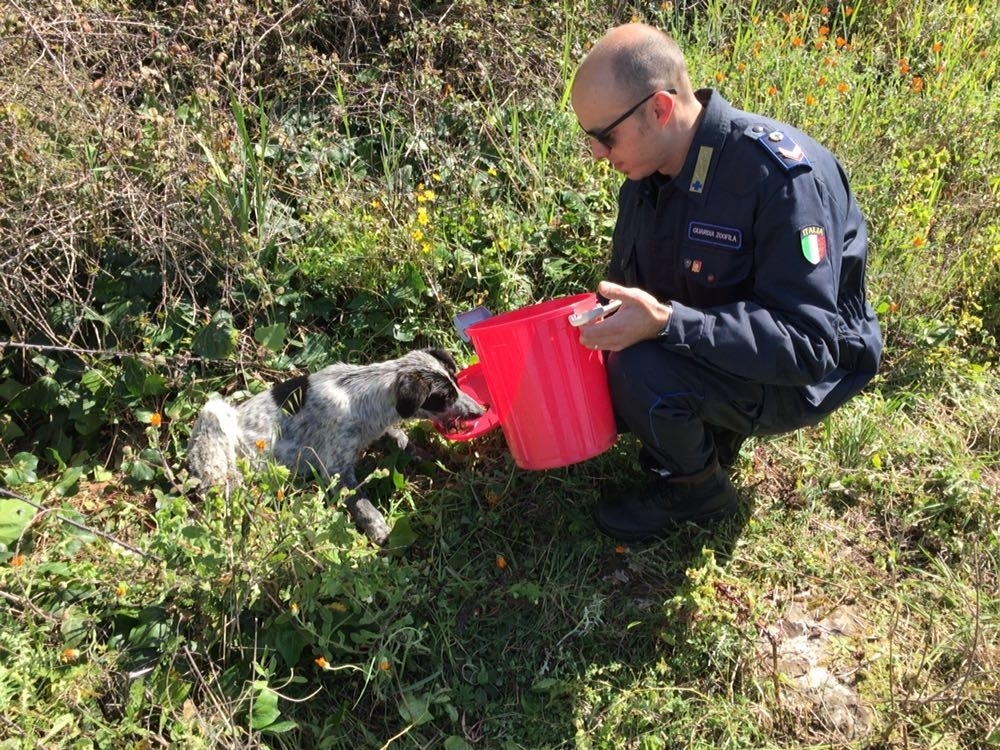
(472, 381)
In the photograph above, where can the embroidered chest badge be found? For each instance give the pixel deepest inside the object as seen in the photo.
(813, 244)
(730, 238)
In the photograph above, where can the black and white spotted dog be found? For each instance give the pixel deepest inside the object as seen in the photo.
(322, 422)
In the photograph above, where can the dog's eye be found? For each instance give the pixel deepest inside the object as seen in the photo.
(438, 401)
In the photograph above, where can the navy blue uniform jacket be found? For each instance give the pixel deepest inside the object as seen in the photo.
(760, 246)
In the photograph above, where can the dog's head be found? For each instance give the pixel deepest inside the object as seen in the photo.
(426, 389)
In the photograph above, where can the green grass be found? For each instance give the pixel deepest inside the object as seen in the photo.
(340, 191)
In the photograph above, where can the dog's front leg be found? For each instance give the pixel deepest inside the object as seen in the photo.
(403, 442)
(365, 515)
(401, 439)
(368, 518)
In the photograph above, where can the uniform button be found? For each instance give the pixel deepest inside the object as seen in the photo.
(757, 129)
(775, 136)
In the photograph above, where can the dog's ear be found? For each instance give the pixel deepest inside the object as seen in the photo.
(444, 357)
(412, 389)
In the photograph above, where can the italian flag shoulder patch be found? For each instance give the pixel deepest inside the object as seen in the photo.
(813, 244)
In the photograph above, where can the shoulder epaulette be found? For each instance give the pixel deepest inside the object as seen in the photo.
(785, 151)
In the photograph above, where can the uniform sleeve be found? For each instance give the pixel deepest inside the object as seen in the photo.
(786, 333)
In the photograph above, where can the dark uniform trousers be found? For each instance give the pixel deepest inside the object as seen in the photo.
(673, 404)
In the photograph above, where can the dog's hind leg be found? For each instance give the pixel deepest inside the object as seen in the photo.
(214, 445)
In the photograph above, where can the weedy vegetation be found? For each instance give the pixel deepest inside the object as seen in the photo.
(203, 197)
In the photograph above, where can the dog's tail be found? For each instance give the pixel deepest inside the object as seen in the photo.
(214, 446)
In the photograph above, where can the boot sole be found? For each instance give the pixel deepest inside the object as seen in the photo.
(723, 514)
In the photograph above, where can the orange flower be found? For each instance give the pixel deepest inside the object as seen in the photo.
(918, 84)
(841, 42)
(720, 76)
(121, 590)
(262, 445)
(849, 10)
(904, 66)
(17, 561)
(919, 242)
(501, 562)
(936, 48)
(322, 663)
(156, 419)
(70, 654)
(824, 31)
(810, 100)
(384, 665)
(843, 87)
(798, 41)
(621, 549)
(773, 90)
(822, 80)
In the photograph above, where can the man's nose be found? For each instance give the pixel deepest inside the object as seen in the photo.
(598, 150)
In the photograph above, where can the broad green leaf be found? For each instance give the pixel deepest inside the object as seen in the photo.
(281, 726)
(273, 337)
(415, 709)
(15, 515)
(22, 471)
(289, 641)
(217, 340)
(68, 482)
(402, 534)
(265, 709)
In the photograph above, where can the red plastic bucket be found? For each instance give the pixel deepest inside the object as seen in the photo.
(549, 392)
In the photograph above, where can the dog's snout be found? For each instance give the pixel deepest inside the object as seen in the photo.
(467, 407)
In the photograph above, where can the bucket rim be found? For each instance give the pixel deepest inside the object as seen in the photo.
(530, 313)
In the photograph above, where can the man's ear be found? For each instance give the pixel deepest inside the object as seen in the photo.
(412, 389)
(663, 107)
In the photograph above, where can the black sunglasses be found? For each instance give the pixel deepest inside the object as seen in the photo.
(604, 136)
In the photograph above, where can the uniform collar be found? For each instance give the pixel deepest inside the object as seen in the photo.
(695, 177)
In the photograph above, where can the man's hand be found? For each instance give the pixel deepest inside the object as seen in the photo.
(640, 317)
